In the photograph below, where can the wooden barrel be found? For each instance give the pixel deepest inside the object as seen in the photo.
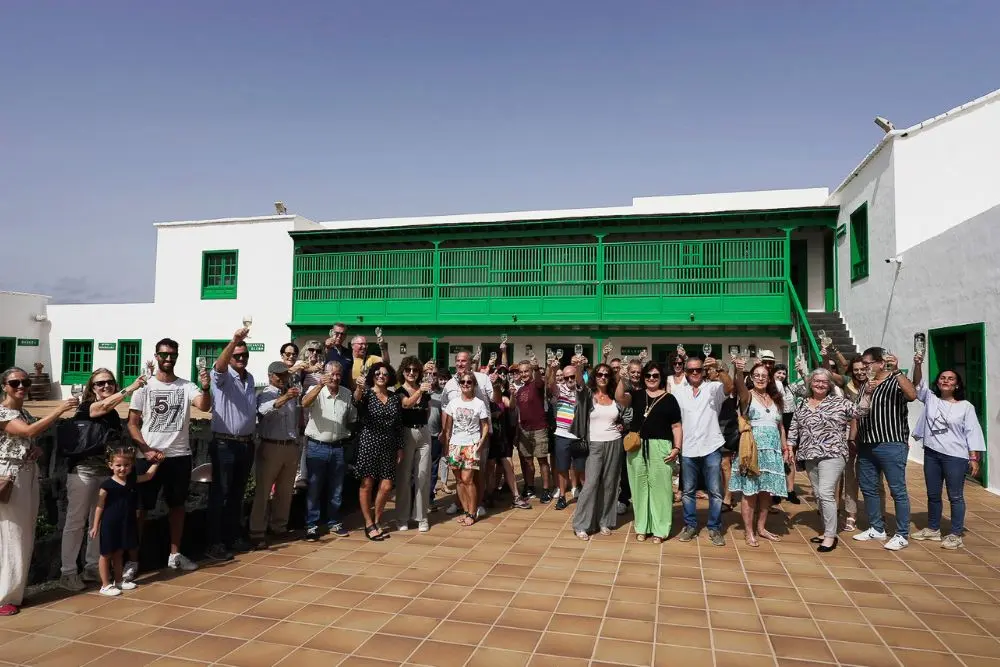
(40, 387)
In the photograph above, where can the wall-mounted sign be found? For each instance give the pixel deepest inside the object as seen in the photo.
(632, 351)
(455, 349)
(107, 346)
(27, 342)
(255, 347)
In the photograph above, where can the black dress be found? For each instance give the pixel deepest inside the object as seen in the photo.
(119, 529)
(381, 436)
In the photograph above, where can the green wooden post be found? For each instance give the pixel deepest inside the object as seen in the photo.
(600, 278)
(436, 289)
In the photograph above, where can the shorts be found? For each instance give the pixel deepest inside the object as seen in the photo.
(500, 448)
(173, 475)
(464, 457)
(533, 444)
(564, 458)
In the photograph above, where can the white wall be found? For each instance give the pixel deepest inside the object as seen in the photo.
(816, 298)
(264, 291)
(17, 320)
(946, 174)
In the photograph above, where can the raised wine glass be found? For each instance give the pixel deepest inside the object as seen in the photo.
(559, 354)
(247, 321)
(493, 358)
(150, 369)
(76, 391)
(919, 344)
(378, 335)
(681, 352)
(706, 349)
(578, 349)
(503, 339)
(609, 347)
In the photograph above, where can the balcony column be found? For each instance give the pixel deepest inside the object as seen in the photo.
(436, 289)
(600, 278)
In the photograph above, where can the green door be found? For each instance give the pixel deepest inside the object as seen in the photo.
(129, 361)
(425, 353)
(8, 347)
(962, 349)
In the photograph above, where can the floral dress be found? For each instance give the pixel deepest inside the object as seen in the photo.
(381, 436)
(13, 449)
(764, 421)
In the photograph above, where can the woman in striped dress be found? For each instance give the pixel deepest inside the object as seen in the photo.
(762, 404)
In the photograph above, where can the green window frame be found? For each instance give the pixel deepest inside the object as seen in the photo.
(859, 243)
(210, 349)
(219, 273)
(77, 361)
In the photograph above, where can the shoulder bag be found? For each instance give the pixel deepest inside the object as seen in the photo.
(633, 441)
(748, 465)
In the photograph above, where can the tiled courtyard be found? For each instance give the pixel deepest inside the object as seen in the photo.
(519, 589)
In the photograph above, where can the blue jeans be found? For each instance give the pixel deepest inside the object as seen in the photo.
(889, 459)
(942, 469)
(435, 461)
(710, 469)
(325, 466)
(231, 463)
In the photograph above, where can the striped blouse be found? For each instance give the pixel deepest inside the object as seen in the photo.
(821, 432)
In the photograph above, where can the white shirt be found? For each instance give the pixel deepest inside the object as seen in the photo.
(602, 423)
(949, 428)
(700, 417)
(166, 414)
(331, 415)
(452, 392)
(465, 417)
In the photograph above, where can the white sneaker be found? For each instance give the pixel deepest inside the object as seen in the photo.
(403, 526)
(556, 494)
(926, 534)
(452, 509)
(423, 526)
(126, 585)
(870, 534)
(130, 571)
(571, 494)
(480, 512)
(622, 507)
(896, 543)
(952, 542)
(110, 590)
(179, 561)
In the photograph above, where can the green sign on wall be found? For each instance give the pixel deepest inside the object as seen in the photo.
(632, 351)
(255, 347)
(27, 342)
(107, 346)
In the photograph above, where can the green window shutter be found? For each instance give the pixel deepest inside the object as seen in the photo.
(859, 243)
(219, 270)
(77, 361)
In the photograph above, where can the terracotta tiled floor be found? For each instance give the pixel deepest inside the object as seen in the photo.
(518, 589)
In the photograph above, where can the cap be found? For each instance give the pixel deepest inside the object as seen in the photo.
(277, 368)
(766, 355)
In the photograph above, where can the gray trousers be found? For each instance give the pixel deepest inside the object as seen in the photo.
(597, 505)
(413, 475)
(824, 475)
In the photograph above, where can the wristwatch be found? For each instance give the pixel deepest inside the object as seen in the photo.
(124, 393)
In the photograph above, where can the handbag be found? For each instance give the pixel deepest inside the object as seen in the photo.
(730, 426)
(632, 441)
(78, 439)
(579, 449)
(748, 464)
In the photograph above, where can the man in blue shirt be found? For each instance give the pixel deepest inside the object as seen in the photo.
(337, 351)
(234, 420)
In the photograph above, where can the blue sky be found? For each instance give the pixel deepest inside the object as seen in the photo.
(119, 114)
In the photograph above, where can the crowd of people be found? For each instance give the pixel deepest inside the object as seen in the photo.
(609, 437)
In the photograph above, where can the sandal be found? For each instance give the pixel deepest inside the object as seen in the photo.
(752, 541)
(373, 534)
(605, 531)
(768, 535)
(726, 507)
(640, 538)
(582, 535)
(468, 519)
(851, 524)
(657, 539)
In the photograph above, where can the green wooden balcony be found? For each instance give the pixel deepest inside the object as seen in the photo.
(721, 281)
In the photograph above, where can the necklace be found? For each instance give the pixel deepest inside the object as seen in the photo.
(764, 400)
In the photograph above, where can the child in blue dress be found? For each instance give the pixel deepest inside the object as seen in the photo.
(115, 517)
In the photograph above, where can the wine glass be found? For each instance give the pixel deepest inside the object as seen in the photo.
(559, 354)
(578, 349)
(150, 369)
(493, 358)
(681, 352)
(706, 349)
(609, 347)
(378, 335)
(549, 354)
(76, 391)
(643, 355)
(479, 354)
(247, 321)
(919, 344)
(503, 339)
(202, 363)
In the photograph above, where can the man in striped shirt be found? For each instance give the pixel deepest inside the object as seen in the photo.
(883, 447)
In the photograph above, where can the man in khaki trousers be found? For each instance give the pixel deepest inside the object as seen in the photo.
(277, 456)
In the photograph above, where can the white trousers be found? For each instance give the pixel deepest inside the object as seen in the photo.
(82, 488)
(17, 534)
(413, 475)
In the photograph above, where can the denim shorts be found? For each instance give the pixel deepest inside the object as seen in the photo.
(564, 458)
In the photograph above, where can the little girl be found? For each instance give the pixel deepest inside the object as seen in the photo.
(115, 517)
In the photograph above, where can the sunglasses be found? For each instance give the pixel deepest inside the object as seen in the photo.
(694, 371)
(412, 370)
(381, 374)
(242, 356)
(101, 384)
(602, 375)
(312, 350)
(652, 376)
(166, 355)
(466, 383)
(17, 384)
(288, 354)
(761, 377)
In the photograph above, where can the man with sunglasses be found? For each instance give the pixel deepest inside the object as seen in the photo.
(234, 420)
(700, 401)
(159, 421)
(337, 351)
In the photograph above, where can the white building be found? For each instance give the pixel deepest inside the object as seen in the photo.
(24, 330)
(926, 194)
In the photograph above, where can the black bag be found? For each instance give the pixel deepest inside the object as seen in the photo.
(579, 449)
(729, 423)
(78, 439)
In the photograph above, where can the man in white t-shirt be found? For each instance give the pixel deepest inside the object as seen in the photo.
(484, 392)
(700, 403)
(159, 422)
